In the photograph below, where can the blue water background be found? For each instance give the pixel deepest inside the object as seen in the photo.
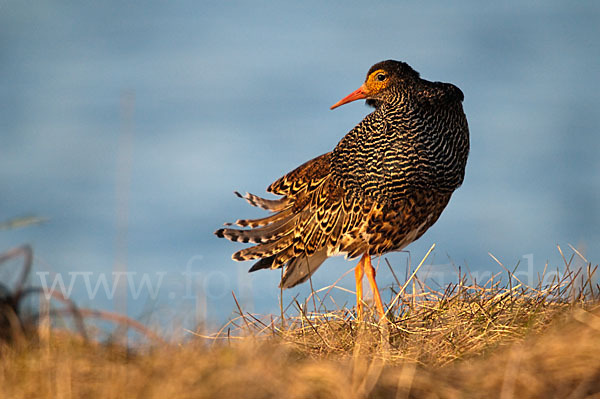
(129, 124)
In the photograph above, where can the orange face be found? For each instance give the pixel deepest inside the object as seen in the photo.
(376, 82)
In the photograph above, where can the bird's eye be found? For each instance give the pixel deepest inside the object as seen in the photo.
(381, 77)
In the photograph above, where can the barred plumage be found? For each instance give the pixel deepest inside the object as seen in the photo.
(385, 183)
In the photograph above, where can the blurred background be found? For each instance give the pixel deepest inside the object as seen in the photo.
(129, 124)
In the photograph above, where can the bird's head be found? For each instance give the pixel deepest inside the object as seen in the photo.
(381, 80)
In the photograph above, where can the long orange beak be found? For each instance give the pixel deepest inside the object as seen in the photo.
(355, 95)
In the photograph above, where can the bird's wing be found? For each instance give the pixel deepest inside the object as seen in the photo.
(306, 226)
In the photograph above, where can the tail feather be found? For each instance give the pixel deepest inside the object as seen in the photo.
(276, 260)
(260, 235)
(264, 250)
(298, 234)
(266, 220)
(264, 263)
(301, 268)
(285, 256)
(298, 269)
(270, 205)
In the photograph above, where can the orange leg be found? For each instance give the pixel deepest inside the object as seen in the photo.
(370, 272)
(358, 275)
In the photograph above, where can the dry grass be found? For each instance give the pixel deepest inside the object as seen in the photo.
(485, 340)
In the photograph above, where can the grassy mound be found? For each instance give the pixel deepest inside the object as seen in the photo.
(465, 341)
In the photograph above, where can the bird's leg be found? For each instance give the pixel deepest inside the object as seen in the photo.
(358, 275)
(370, 272)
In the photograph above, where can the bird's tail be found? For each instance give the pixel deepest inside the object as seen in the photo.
(278, 240)
(304, 227)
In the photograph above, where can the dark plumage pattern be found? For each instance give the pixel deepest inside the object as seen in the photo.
(385, 183)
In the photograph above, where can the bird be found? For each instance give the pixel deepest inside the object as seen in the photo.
(383, 185)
